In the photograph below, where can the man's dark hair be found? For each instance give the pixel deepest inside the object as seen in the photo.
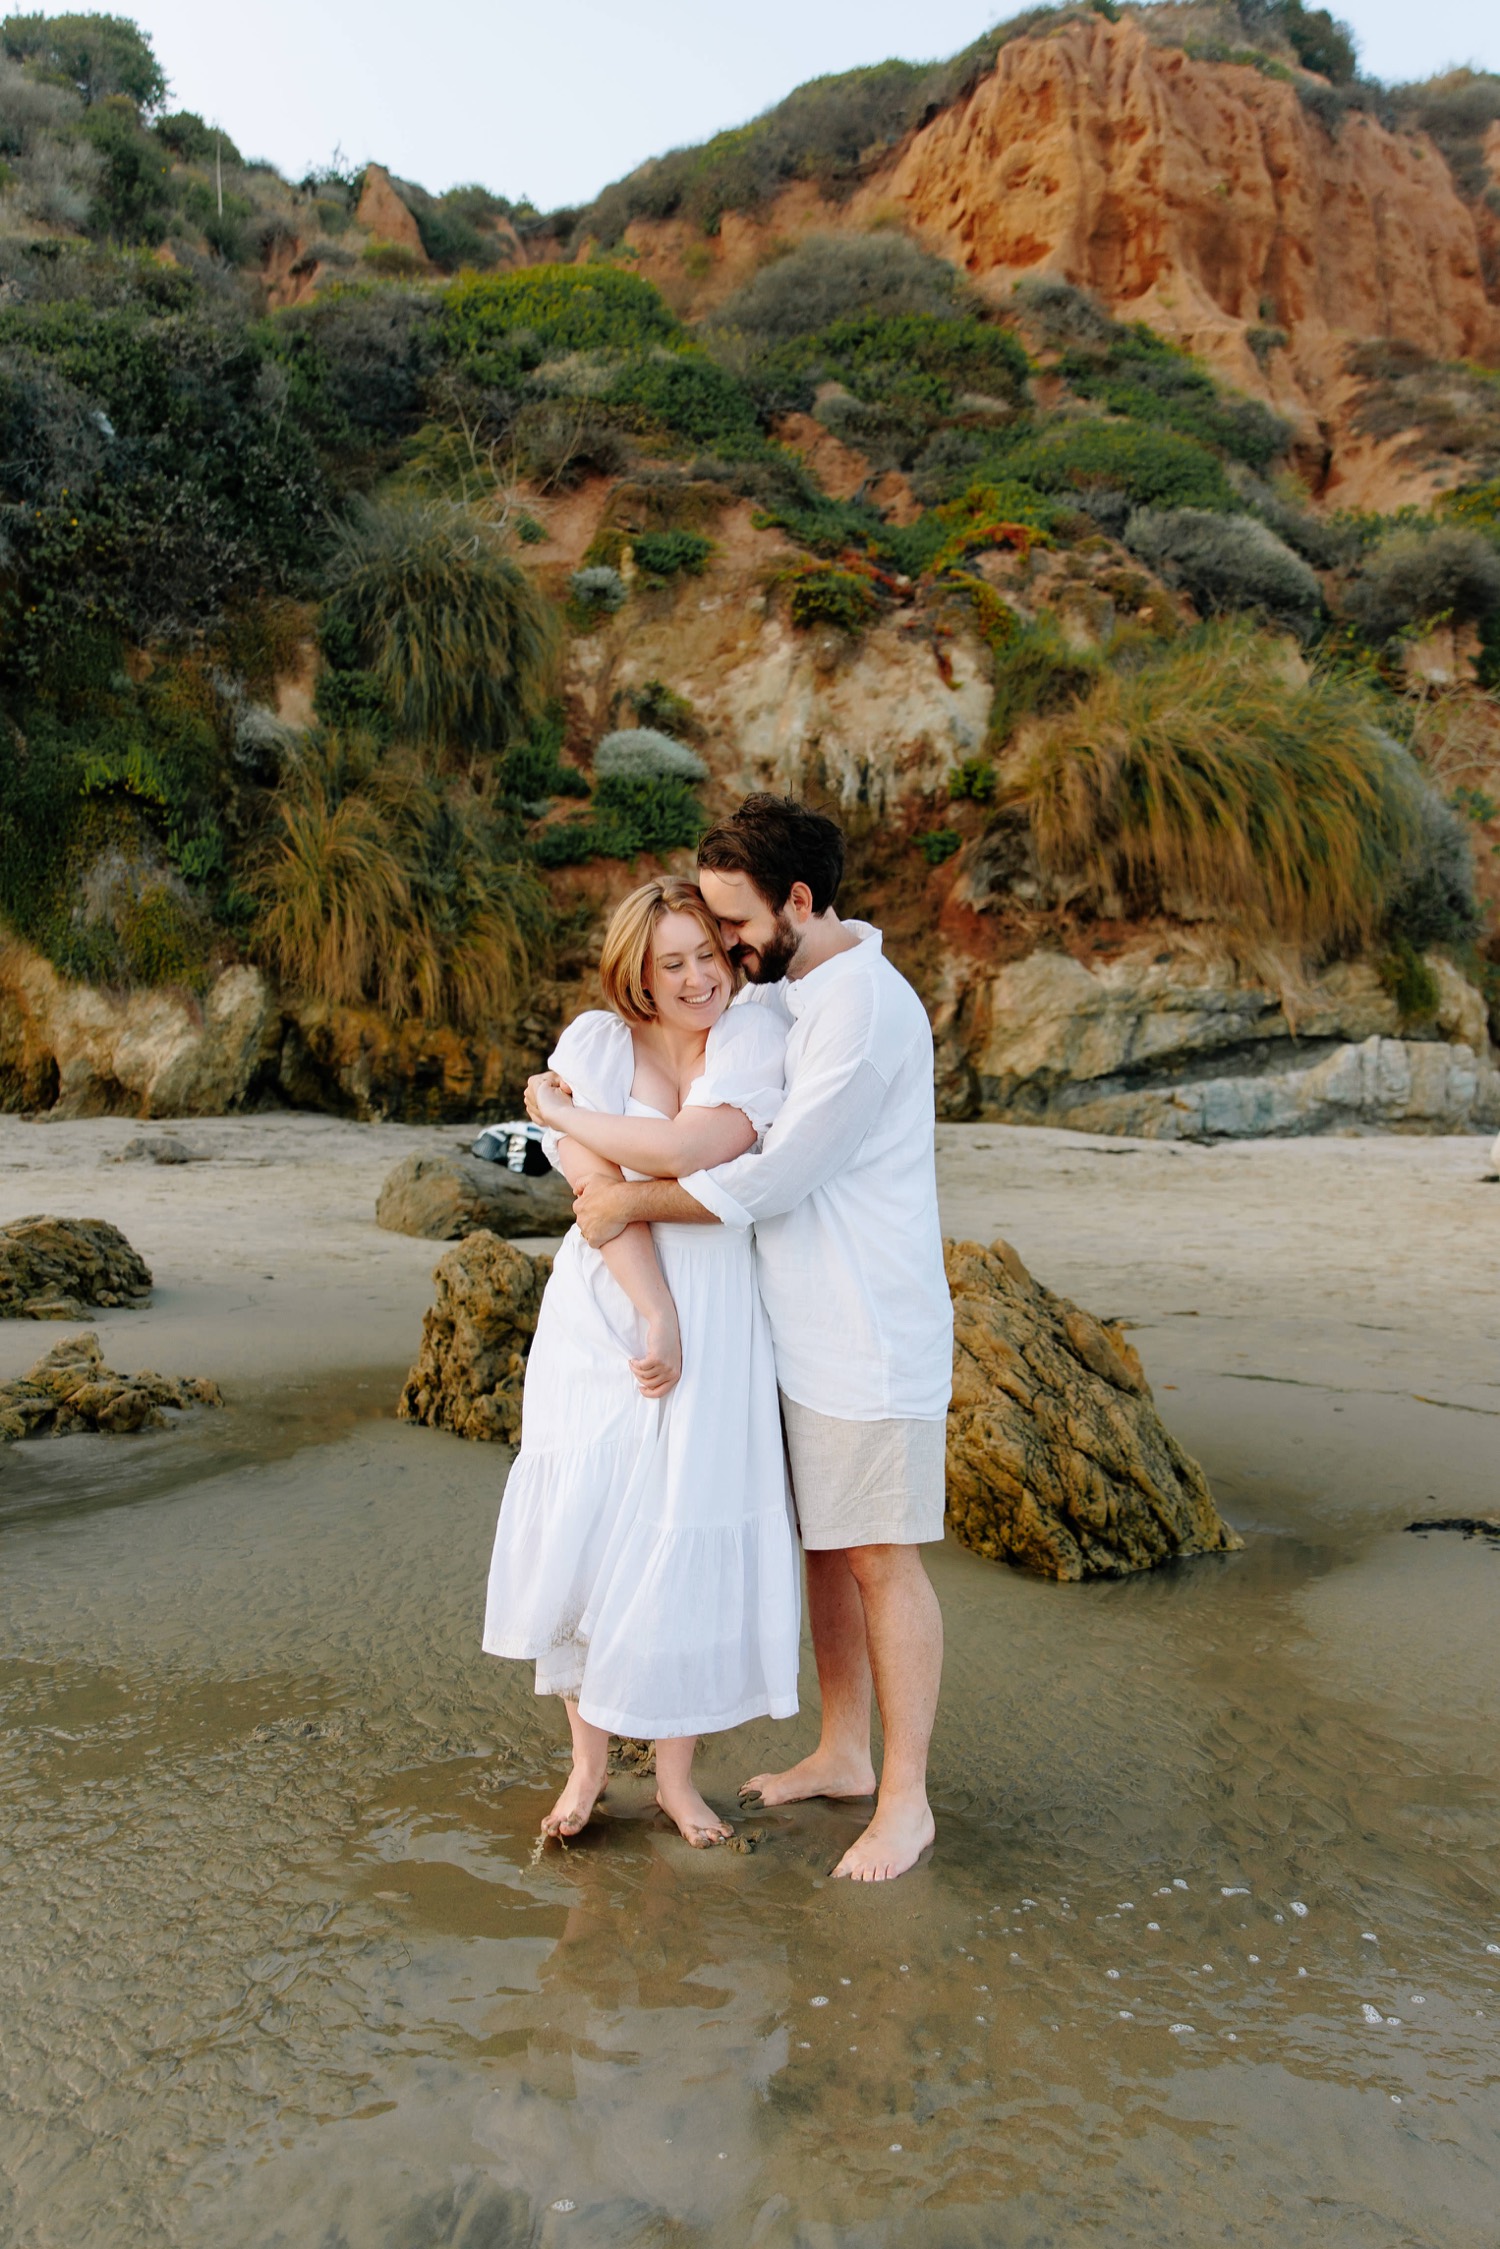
(776, 842)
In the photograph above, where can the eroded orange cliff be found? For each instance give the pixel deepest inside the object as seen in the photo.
(1203, 197)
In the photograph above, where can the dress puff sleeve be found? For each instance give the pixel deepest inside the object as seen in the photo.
(744, 1067)
(596, 1058)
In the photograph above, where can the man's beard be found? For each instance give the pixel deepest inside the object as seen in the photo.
(773, 959)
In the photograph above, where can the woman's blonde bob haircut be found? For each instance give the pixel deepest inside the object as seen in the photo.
(625, 962)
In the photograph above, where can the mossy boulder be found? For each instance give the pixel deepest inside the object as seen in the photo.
(72, 1390)
(472, 1365)
(1058, 1461)
(443, 1198)
(50, 1268)
(1057, 1458)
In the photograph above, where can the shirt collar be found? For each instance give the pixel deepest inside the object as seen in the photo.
(798, 990)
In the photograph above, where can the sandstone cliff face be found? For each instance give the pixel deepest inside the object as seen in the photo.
(382, 212)
(877, 719)
(1202, 197)
(82, 1052)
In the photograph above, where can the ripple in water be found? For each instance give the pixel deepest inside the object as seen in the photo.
(1203, 1946)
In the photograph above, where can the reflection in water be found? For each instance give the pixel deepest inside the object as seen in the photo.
(1203, 1949)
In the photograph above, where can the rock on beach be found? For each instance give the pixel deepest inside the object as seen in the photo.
(1057, 1457)
(50, 1268)
(71, 1389)
(443, 1198)
(1058, 1461)
(475, 1337)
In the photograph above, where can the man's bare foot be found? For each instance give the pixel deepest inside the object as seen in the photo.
(571, 1814)
(692, 1817)
(892, 1843)
(659, 1367)
(817, 1775)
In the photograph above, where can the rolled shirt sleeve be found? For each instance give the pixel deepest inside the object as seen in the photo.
(826, 1116)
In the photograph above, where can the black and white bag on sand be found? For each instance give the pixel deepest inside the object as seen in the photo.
(517, 1146)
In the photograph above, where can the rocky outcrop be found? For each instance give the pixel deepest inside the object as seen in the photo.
(475, 1337)
(383, 214)
(878, 718)
(1173, 1044)
(50, 1268)
(443, 1198)
(358, 1063)
(71, 1389)
(1057, 1458)
(1207, 198)
(82, 1052)
(1389, 1085)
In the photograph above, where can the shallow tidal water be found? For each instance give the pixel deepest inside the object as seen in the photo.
(1208, 1953)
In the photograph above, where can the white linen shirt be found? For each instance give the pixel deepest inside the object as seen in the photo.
(843, 1196)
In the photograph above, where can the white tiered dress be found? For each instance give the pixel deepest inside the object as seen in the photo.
(645, 1555)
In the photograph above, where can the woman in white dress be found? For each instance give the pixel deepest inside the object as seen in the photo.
(645, 1557)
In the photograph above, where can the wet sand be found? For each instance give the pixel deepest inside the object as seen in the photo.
(280, 1963)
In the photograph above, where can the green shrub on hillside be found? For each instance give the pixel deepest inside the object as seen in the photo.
(921, 361)
(825, 131)
(1208, 777)
(1035, 672)
(1063, 316)
(1457, 109)
(1415, 578)
(632, 812)
(686, 394)
(837, 277)
(153, 479)
(1141, 375)
(669, 554)
(358, 359)
(1151, 467)
(599, 587)
(1227, 562)
(1432, 900)
(460, 638)
(665, 711)
(831, 596)
(1316, 37)
(503, 326)
(642, 753)
(379, 884)
(133, 197)
(98, 55)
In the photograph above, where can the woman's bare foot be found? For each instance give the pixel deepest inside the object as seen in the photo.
(659, 1367)
(691, 1816)
(571, 1814)
(821, 1774)
(892, 1843)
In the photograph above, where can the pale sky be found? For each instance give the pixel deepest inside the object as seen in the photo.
(555, 98)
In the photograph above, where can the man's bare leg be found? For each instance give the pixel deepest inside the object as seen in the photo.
(571, 1814)
(905, 1627)
(840, 1765)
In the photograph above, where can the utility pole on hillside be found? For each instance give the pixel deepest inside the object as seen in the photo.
(219, 165)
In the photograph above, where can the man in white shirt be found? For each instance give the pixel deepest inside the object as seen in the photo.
(843, 1198)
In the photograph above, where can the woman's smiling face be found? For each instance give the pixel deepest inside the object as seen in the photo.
(688, 978)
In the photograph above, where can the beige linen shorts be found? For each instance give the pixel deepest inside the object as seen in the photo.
(865, 1483)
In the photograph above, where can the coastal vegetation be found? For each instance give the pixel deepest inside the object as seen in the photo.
(283, 675)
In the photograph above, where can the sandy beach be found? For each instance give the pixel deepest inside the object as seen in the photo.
(1211, 1935)
(1354, 1277)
